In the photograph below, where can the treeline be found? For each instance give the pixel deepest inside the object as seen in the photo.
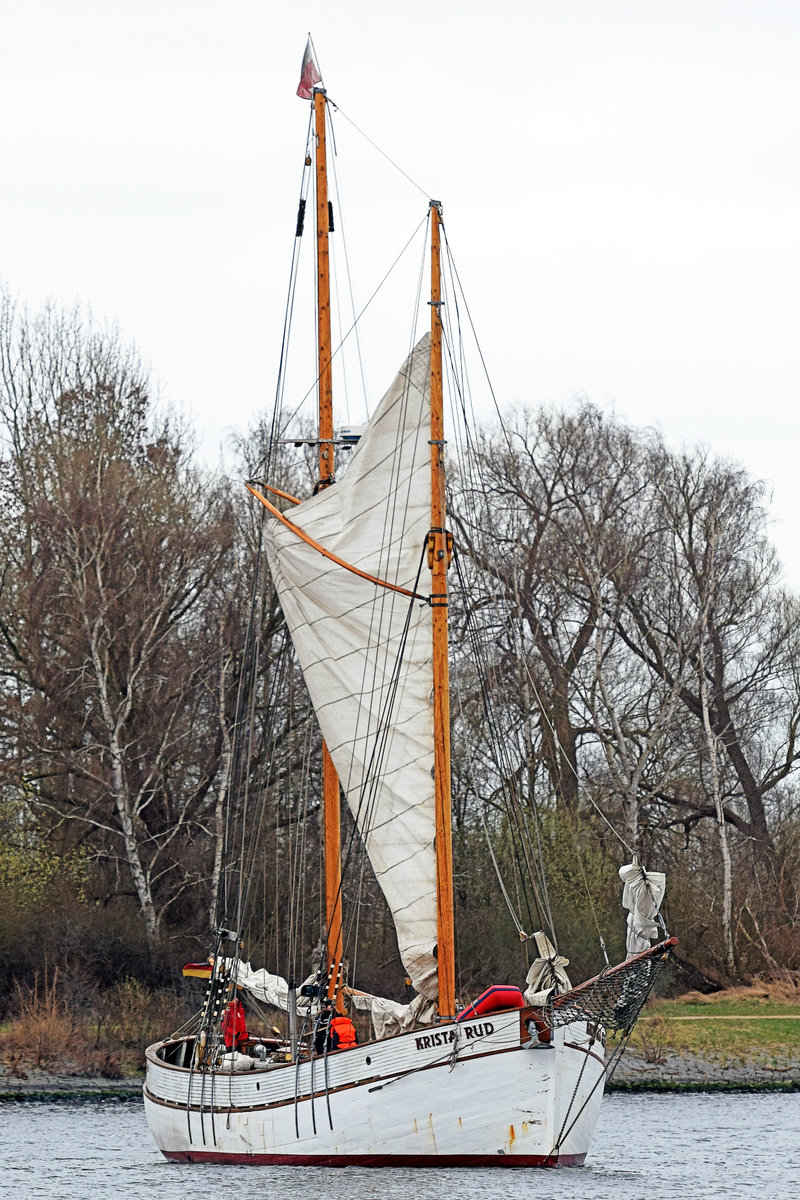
(643, 668)
(645, 660)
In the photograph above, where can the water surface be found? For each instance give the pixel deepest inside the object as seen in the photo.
(647, 1147)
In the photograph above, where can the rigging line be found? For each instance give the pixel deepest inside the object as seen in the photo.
(542, 708)
(379, 610)
(298, 821)
(251, 728)
(451, 260)
(391, 511)
(277, 674)
(579, 856)
(620, 838)
(334, 264)
(244, 683)
(354, 926)
(369, 787)
(316, 57)
(280, 664)
(565, 757)
(347, 266)
(498, 744)
(277, 685)
(289, 308)
(371, 775)
(355, 323)
(461, 393)
(523, 815)
(383, 153)
(298, 812)
(240, 773)
(523, 935)
(473, 776)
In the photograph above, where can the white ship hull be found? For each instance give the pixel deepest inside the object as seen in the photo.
(494, 1097)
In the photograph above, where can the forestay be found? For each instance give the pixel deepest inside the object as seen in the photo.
(365, 650)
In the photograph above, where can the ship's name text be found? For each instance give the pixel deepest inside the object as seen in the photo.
(429, 1040)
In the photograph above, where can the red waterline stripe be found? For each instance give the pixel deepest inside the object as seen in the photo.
(377, 1160)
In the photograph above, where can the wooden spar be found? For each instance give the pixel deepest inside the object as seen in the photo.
(437, 557)
(304, 537)
(324, 365)
(330, 780)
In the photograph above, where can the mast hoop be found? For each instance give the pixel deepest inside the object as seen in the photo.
(301, 533)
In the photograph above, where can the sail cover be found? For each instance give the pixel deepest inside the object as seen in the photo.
(365, 651)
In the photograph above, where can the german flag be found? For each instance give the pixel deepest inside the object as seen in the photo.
(201, 970)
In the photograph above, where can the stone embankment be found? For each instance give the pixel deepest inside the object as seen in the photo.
(683, 1070)
(33, 1084)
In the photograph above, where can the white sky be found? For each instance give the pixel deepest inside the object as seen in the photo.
(620, 178)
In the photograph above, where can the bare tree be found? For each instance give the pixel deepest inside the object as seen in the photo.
(112, 545)
(558, 498)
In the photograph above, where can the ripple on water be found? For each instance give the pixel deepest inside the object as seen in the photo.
(647, 1147)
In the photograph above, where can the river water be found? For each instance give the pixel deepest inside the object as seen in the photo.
(647, 1147)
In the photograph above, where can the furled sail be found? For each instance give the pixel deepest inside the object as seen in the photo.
(642, 893)
(274, 990)
(548, 972)
(365, 650)
(390, 1018)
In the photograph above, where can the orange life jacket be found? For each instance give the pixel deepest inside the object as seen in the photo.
(345, 1031)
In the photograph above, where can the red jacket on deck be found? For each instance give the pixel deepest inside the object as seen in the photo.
(234, 1025)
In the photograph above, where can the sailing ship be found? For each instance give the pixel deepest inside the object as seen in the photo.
(511, 1079)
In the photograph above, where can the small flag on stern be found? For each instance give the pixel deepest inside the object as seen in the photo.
(309, 74)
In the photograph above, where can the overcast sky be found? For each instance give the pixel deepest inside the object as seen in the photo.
(620, 179)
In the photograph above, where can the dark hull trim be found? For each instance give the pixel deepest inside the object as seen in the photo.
(377, 1160)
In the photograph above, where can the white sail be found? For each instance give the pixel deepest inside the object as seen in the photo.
(350, 634)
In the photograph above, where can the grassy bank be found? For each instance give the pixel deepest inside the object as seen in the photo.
(737, 1023)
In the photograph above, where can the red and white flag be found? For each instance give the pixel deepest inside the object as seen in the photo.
(309, 74)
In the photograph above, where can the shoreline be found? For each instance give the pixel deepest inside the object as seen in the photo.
(674, 1072)
(685, 1071)
(62, 1088)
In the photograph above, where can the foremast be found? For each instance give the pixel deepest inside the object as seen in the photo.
(438, 557)
(330, 780)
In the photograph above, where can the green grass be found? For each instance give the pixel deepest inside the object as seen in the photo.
(753, 1006)
(692, 1024)
(731, 1038)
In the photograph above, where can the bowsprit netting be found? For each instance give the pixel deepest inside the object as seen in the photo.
(614, 998)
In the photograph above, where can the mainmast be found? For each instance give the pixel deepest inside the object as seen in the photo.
(330, 780)
(438, 555)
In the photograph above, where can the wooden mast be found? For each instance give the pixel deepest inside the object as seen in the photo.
(438, 554)
(330, 780)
